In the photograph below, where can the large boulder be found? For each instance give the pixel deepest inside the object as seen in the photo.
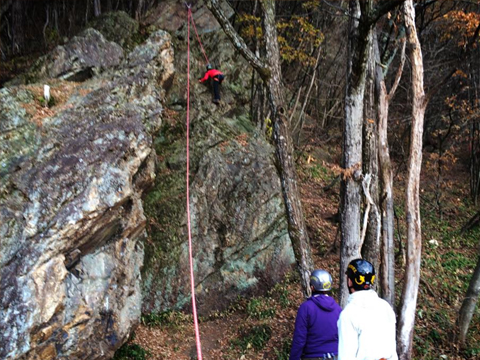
(82, 57)
(117, 27)
(71, 217)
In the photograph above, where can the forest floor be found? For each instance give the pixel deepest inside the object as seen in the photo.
(262, 327)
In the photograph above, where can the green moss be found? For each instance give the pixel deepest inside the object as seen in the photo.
(43, 101)
(165, 203)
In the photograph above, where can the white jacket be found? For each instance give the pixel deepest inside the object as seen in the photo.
(366, 328)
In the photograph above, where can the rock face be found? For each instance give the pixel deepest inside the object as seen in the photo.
(81, 58)
(93, 188)
(71, 215)
(239, 228)
(117, 27)
(238, 224)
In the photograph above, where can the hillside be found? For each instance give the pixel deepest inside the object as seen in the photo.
(262, 327)
(93, 228)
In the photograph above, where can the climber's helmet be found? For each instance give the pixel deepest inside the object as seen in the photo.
(209, 67)
(361, 273)
(321, 280)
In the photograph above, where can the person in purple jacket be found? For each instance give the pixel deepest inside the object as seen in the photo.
(316, 332)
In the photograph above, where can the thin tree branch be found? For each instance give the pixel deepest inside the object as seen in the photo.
(237, 41)
(398, 76)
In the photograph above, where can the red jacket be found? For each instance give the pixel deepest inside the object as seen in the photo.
(210, 74)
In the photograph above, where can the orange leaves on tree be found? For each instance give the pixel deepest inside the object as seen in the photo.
(297, 36)
(460, 26)
(298, 39)
(251, 27)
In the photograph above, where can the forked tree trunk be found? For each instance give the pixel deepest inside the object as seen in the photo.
(272, 76)
(414, 237)
(363, 16)
(387, 268)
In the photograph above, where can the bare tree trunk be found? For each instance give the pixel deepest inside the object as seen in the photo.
(97, 10)
(414, 237)
(271, 75)
(352, 142)
(139, 9)
(371, 244)
(387, 269)
(45, 26)
(468, 306)
(284, 149)
(18, 36)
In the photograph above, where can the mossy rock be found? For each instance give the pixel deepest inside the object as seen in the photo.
(118, 27)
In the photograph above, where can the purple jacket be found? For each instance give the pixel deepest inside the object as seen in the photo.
(316, 331)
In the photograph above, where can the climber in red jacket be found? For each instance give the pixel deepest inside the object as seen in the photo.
(216, 77)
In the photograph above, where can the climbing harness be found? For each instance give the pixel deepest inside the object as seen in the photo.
(192, 279)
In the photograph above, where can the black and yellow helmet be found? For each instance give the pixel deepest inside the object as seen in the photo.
(362, 274)
(209, 67)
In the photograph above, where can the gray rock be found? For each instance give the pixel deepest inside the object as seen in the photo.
(93, 188)
(71, 217)
(81, 58)
(118, 27)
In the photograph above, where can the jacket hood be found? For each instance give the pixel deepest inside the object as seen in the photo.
(324, 302)
(363, 298)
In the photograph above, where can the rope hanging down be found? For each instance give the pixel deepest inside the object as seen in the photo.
(192, 280)
(198, 37)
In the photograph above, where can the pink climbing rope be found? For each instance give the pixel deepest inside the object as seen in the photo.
(198, 37)
(192, 279)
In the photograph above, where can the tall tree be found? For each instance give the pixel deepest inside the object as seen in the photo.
(370, 184)
(270, 72)
(414, 236)
(383, 98)
(363, 16)
(359, 37)
(17, 28)
(97, 9)
(414, 240)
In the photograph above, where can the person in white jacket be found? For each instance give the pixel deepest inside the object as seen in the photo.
(366, 327)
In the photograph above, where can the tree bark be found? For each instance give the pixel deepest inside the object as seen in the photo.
(139, 9)
(468, 306)
(358, 46)
(387, 268)
(18, 36)
(371, 243)
(97, 10)
(414, 237)
(258, 65)
(272, 76)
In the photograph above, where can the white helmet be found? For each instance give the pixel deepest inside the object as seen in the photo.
(321, 280)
